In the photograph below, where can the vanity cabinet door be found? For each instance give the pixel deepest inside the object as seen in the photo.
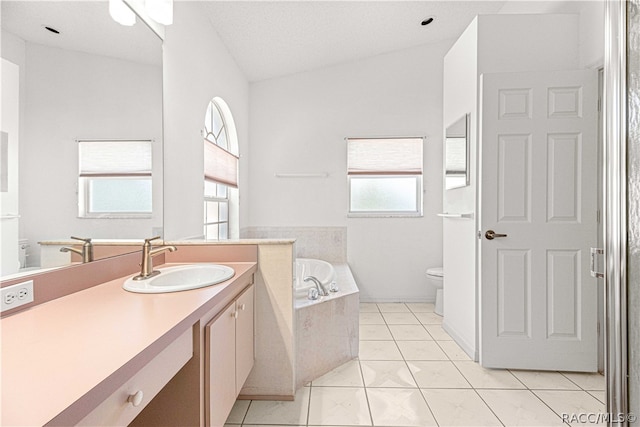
(220, 365)
(244, 338)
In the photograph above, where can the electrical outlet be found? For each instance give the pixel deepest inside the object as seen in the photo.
(16, 295)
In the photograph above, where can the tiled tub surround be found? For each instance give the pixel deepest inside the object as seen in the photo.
(327, 329)
(326, 243)
(411, 373)
(91, 335)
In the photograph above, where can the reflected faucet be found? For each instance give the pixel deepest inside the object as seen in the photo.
(319, 286)
(86, 252)
(146, 270)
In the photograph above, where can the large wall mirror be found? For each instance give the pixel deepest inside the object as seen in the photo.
(456, 149)
(82, 78)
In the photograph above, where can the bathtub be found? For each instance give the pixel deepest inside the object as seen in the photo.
(327, 328)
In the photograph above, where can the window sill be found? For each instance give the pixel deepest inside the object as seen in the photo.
(113, 216)
(384, 215)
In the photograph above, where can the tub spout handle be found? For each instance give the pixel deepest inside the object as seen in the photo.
(333, 287)
(313, 294)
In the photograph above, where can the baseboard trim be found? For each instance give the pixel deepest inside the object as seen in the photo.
(468, 348)
(265, 397)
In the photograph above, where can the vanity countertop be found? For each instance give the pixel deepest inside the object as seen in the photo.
(65, 355)
(194, 242)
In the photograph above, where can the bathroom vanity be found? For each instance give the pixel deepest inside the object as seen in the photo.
(105, 356)
(99, 356)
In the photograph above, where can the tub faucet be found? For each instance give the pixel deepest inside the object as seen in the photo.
(146, 270)
(319, 286)
(86, 252)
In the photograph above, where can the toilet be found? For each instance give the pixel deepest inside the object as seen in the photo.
(435, 278)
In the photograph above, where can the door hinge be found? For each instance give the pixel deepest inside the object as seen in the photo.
(598, 216)
(599, 104)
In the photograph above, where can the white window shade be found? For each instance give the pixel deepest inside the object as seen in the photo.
(115, 158)
(220, 165)
(384, 156)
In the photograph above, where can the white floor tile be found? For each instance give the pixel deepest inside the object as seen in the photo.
(421, 307)
(571, 405)
(371, 319)
(280, 412)
(339, 405)
(368, 307)
(429, 318)
(436, 374)
(346, 375)
(480, 377)
(409, 333)
(375, 333)
(587, 381)
(379, 350)
(393, 307)
(544, 380)
(400, 319)
(453, 350)
(438, 333)
(388, 373)
(460, 408)
(520, 408)
(601, 395)
(238, 412)
(421, 350)
(399, 407)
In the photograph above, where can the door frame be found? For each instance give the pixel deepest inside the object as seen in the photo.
(615, 207)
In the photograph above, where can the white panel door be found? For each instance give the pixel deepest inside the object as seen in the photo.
(9, 120)
(538, 186)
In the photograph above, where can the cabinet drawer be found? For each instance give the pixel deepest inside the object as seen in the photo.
(116, 410)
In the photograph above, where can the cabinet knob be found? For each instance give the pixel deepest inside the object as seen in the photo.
(234, 314)
(242, 307)
(136, 399)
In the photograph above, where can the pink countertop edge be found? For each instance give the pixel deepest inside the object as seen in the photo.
(62, 357)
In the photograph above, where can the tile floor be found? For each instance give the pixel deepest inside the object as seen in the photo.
(411, 373)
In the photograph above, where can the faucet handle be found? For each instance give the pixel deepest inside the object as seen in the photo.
(151, 239)
(82, 239)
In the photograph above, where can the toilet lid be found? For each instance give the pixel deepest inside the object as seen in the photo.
(437, 271)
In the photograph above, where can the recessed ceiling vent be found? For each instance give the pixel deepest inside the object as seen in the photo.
(428, 20)
(53, 30)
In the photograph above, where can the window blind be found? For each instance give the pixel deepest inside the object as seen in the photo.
(384, 156)
(220, 165)
(115, 158)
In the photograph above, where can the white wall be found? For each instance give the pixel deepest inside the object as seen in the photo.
(197, 67)
(69, 95)
(591, 23)
(298, 125)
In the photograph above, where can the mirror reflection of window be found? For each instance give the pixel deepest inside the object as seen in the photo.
(456, 147)
(115, 178)
(220, 172)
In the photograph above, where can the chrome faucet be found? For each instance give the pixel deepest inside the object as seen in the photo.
(319, 286)
(86, 252)
(146, 270)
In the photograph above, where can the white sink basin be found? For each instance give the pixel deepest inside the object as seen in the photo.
(181, 278)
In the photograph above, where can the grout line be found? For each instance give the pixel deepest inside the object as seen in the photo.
(486, 404)
(366, 394)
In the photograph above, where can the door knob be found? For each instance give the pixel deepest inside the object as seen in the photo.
(490, 235)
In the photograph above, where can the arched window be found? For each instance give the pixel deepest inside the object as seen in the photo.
(220, 172)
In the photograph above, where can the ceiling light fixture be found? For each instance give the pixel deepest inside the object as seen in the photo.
(160, 11)
(121, 13)
(428, 21)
